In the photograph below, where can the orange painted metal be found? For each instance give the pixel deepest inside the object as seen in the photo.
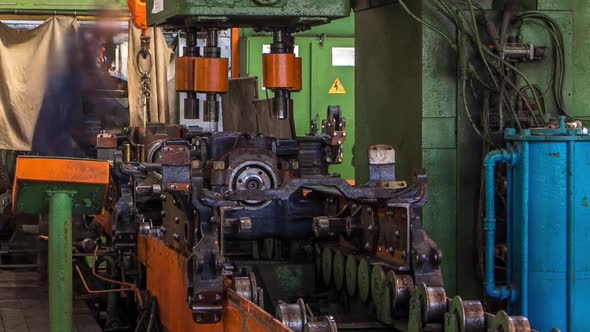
(235, 52)
(138, 13)
(278, 70)
(55, 170)
(298, 86)
(211, 75)
(243, 315)
(105, 219)
(185, 73)
(167, 280)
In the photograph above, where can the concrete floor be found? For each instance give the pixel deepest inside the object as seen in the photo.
(24, 305)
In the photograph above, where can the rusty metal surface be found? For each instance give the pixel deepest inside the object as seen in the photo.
(167, 281)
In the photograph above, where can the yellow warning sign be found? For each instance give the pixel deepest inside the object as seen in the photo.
(337, 88)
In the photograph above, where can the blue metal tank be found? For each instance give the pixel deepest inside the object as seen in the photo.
(548, 226)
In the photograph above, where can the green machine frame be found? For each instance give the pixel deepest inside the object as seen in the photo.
(246, 13)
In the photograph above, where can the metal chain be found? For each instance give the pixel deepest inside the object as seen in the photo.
(144, 64)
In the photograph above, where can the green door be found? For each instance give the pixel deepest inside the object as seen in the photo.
(325, 61)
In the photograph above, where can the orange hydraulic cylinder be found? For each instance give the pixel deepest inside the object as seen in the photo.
(279, 70)
(298, 72)
(211, 75)
(185, 73)
(138, 13)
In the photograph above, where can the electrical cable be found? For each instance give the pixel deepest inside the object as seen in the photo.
(428, 25)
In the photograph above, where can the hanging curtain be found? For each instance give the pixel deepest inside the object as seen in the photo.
(34, 73)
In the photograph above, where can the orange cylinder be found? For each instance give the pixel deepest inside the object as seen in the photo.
(185, 73)
(298, 72)
(279, 70)
(138, 13)
(211, 75)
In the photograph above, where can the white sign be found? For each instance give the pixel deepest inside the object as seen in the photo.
(343, 56)
(158, 6)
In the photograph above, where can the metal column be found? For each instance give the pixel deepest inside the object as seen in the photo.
(60, 261)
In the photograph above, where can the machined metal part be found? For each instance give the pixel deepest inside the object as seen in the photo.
(364, 279)
(434, 303)
(327, 265)
(339, 269)
(327, 228)
(247, 287)
(352, 267)
(326, 324)
(505, 323)
(253, 176)
(381, 163)
(317, 259)
(381, 294)
(402, 285)
(294, 316)
(469, 316)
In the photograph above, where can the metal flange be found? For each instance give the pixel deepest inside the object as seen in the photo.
(351, 274)
(468, 316)
(246, 287)
(327, 265)
(364, 280)
(434, 303)
(381, 294)
(292, 315)
(339, 269)
(402, 285)
(327, 324)
(504, 323)
(317, 259)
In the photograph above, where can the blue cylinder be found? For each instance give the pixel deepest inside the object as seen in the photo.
(550, 226)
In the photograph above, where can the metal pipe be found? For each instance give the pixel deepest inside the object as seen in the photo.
(490, 162)
(130, 285)
(509, 179)
(101, 291)
(60, 261)
(524, 227)
(571, 229)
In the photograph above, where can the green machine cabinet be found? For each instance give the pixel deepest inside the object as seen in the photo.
(328, 79)
(246, 13)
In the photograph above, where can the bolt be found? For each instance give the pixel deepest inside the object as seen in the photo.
(396, 233)
(163, 197)
(404, 254)
(176, 237)
(163, 213)
(163, 229)
(176, 220)
(390, 250)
